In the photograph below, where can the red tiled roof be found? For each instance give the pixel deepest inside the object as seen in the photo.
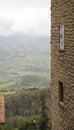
(2, 113)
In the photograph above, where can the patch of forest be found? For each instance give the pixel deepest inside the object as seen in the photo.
(26, 103)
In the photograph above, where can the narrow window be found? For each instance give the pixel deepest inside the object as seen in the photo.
(61, 37)
(60, 91)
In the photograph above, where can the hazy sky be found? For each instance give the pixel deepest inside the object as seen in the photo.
(29, 17)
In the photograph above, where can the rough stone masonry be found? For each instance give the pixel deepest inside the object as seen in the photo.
(62, 64)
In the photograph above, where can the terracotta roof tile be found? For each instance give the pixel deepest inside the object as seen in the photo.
(2, 113)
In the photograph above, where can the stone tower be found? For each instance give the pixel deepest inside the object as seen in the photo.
(62, 64)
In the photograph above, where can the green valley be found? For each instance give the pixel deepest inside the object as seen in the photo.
(24, 66)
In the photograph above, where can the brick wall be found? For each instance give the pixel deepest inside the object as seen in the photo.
(62, 65)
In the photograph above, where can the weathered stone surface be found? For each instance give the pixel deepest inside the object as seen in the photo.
(62, 65)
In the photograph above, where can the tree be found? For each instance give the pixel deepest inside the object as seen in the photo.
(44, 122)
(21, 124)
(7, 127)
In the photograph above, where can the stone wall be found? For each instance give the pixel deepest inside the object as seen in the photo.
(62, 65)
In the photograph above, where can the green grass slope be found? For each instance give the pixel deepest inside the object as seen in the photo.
(23, 65)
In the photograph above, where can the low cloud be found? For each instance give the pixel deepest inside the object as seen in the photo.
(29, 17)
(5, 27)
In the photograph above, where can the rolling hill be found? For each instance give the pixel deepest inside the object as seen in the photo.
(24, 63)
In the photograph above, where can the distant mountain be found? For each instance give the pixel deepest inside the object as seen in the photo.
(24, 62)
(24, 39)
